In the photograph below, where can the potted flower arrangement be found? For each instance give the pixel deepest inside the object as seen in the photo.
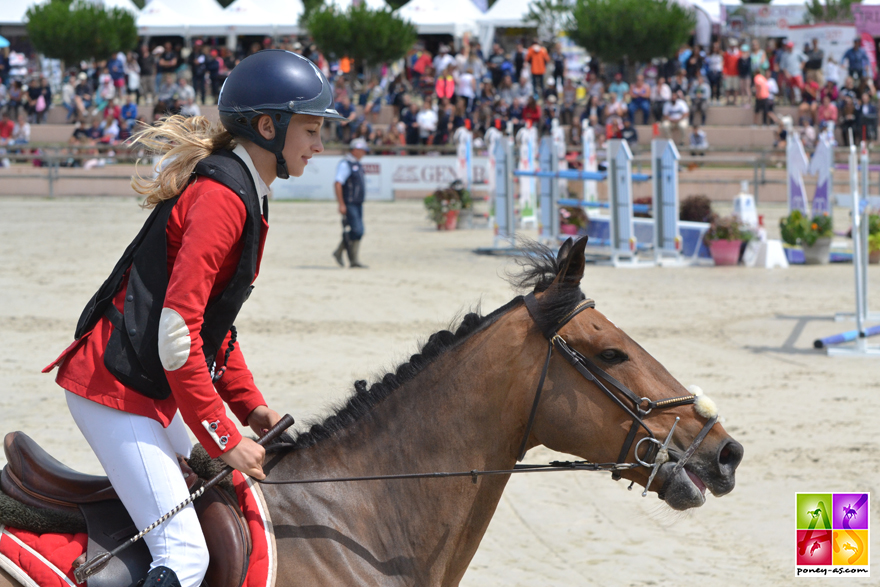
(813, 234)
(444, 205)
(725, 238)
(874, 239)
(572, 219)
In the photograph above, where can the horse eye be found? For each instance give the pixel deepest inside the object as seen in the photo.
(613, 356)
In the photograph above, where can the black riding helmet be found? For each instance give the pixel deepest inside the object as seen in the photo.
(279, 84)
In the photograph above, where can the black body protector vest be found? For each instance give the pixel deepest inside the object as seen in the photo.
(355, 187)
(132, 353)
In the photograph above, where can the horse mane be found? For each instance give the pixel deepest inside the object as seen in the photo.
(538, 270)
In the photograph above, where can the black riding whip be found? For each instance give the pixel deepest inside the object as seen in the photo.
(93, 566)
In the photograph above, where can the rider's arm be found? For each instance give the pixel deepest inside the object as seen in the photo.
(211, 224)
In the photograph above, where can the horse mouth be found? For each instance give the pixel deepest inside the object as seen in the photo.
(684, 490)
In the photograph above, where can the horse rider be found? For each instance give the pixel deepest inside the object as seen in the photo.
(158, 336)
(350, 187)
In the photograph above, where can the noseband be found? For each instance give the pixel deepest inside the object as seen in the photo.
(636, 407)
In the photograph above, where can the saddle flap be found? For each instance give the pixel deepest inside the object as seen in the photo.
(226, 535)
(43, 476)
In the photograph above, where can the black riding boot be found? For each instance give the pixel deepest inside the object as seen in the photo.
(160, 577)
(337, 254)
(354, 248)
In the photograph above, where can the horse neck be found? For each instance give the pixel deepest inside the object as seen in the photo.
(464, 411)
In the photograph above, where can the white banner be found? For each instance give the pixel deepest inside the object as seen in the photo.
(385, 174)
(762, 20)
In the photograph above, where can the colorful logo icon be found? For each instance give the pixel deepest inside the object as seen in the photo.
(832, 534)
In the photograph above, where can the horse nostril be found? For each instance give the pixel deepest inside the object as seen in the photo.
(730, 454)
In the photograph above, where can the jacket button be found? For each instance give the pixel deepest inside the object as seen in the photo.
(129, 298)
(211, 171)
(241, 192)
(132, 331)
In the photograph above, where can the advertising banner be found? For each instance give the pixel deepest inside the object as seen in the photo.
(384, 173)
(761, 20)
(867, 19)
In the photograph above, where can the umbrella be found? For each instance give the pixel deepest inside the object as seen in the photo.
(4, 42)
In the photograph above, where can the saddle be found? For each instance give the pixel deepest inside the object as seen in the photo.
(33, 477)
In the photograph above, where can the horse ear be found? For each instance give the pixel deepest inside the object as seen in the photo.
(572, 262)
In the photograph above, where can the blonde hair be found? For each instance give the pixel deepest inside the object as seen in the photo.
(183, 142)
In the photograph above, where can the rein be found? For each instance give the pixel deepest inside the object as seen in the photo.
(657, 453)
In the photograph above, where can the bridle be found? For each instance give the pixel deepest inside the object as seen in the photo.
(657, 452)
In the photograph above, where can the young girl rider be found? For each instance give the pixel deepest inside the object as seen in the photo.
(156, 347)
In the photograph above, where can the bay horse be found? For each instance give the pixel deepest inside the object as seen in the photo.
(468, 401)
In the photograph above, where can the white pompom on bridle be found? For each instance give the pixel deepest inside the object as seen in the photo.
(703, 404)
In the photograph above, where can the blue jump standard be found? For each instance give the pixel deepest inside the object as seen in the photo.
(582, 204)
(848, 336)
(575, 174)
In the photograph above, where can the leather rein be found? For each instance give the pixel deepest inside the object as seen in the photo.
(656, 454)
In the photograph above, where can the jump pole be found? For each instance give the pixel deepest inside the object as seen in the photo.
(860, 335)
(664, 171)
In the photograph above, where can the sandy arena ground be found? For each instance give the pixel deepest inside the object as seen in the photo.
(807, 422)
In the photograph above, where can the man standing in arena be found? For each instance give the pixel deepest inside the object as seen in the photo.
(350, 187)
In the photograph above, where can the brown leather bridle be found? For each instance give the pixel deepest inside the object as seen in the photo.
(657, 452)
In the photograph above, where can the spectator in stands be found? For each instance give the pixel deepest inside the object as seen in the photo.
(730, 71)
(661, 94)
(410, 123)
(641, 100)
(147, 64)
(6, 128)
(618, 86)
(699, 95)
(427, 124)
(790, 66)
(21, 134)
(715, 69)
(68, 96)
(813, 66)
(679, 83)
(698, 142)
(519, 60)
(4, 66)
(762, 96)
(558, 59)
(83, 95)
(537, 58)
(594, 111)
(827, 112)
(184, 91)
(110, 131)
(421, 60)
(595, 87)
(216, 72)
(445, 86)
(781, 135)
(343, 127)
(569, 95)
(531, 114)
(443, 60)
(848, 119)
(867, 118)
(189, 107)
(809, 107)
(167, 90)
(198, 66)
(758, 59)
(630, 135)
(495, 63)
(467, 88)
(116, 68)
(675, 116)
(39, 100)
(744, 72)
(856, 60)
(133, 76)
(129, 113)
(427, 84)
(832, 71)
(16, 97)
(167, 64)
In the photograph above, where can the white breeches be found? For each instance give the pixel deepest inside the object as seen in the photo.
(138, 455)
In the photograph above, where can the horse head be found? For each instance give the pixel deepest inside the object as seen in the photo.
(611, 395)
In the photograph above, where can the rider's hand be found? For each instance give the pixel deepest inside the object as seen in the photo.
(342, 208)
(261, 419)
(247, 457)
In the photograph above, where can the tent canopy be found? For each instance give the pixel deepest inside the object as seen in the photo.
(253, 17)
(506, 13)
(441, 17)
(372, 4)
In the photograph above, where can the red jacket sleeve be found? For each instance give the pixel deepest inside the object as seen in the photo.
(210, 240)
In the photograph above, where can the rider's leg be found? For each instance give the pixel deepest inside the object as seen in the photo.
(138, 455)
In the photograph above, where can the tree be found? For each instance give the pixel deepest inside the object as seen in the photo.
(551, 17)
(633, 30)
(830, 10)
(79, 30)
(370, 37)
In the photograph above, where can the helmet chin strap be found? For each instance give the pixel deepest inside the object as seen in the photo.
(281, 166)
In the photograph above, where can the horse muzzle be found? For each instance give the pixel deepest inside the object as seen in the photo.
(685, 487)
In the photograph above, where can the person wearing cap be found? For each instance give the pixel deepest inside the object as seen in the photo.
(350, 187)
(790, 65)
(856, 59)
(730, 70)
(156, 349)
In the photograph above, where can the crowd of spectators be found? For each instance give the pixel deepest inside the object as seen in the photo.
(434, 93)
